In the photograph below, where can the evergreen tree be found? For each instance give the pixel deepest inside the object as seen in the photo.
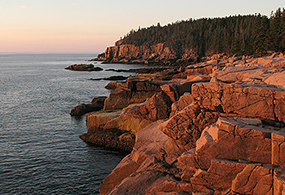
(242, 35)
(277, 30)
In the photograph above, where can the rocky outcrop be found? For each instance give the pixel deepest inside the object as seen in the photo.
(114, 129)
(83, 67)
(155, 54)
(121, 126)
(130, 93)
(217, 127)
(223, 173)
(111, 138)
(96, 105)
(158, 107)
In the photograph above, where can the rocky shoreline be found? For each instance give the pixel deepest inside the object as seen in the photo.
(158, 54)
(216, 127)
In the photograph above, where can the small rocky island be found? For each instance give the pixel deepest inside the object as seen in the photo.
(215, 127)
(83, 67)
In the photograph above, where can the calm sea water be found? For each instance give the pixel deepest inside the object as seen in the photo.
(40, 148)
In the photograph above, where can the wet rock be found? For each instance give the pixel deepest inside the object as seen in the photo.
(110, 138)
(82, 109)
(96, 105)
(111, 85)
(99, 100)
(148, 70)
(111, 78)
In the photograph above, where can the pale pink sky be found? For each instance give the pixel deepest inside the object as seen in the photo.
(92, 25)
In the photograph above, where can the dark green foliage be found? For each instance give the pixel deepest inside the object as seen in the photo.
(261, 39)
(249, 34)
(277, 30)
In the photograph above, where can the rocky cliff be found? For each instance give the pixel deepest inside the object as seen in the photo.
(216, 127)
(154, 54)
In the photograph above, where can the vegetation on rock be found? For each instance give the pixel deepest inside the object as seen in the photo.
(242, 35)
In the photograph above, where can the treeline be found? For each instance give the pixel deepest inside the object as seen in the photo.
(242, 35)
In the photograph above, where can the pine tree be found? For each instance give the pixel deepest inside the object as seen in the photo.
(242, 35)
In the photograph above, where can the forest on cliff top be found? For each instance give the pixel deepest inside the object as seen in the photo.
(242, 35)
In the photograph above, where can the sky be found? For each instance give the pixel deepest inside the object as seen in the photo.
(93, 25)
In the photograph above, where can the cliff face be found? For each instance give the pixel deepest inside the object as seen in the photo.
(216, 127)
(155, 54)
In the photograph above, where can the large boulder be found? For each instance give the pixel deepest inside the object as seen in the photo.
(145, 180)
(158, 107)
(125, 168)
(128, 121)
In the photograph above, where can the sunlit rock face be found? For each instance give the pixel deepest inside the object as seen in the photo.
(217, 127)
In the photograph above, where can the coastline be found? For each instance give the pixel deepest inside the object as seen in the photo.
(41, 149)
(153, 105)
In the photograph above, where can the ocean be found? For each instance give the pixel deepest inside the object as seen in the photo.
(40, 148)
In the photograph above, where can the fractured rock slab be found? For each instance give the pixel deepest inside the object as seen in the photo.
(187, 125)
(254, 179)
(252, 101)
(232, 139)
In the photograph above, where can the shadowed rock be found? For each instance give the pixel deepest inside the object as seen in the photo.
(111, 78)
(83, 67)
(96, 105)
